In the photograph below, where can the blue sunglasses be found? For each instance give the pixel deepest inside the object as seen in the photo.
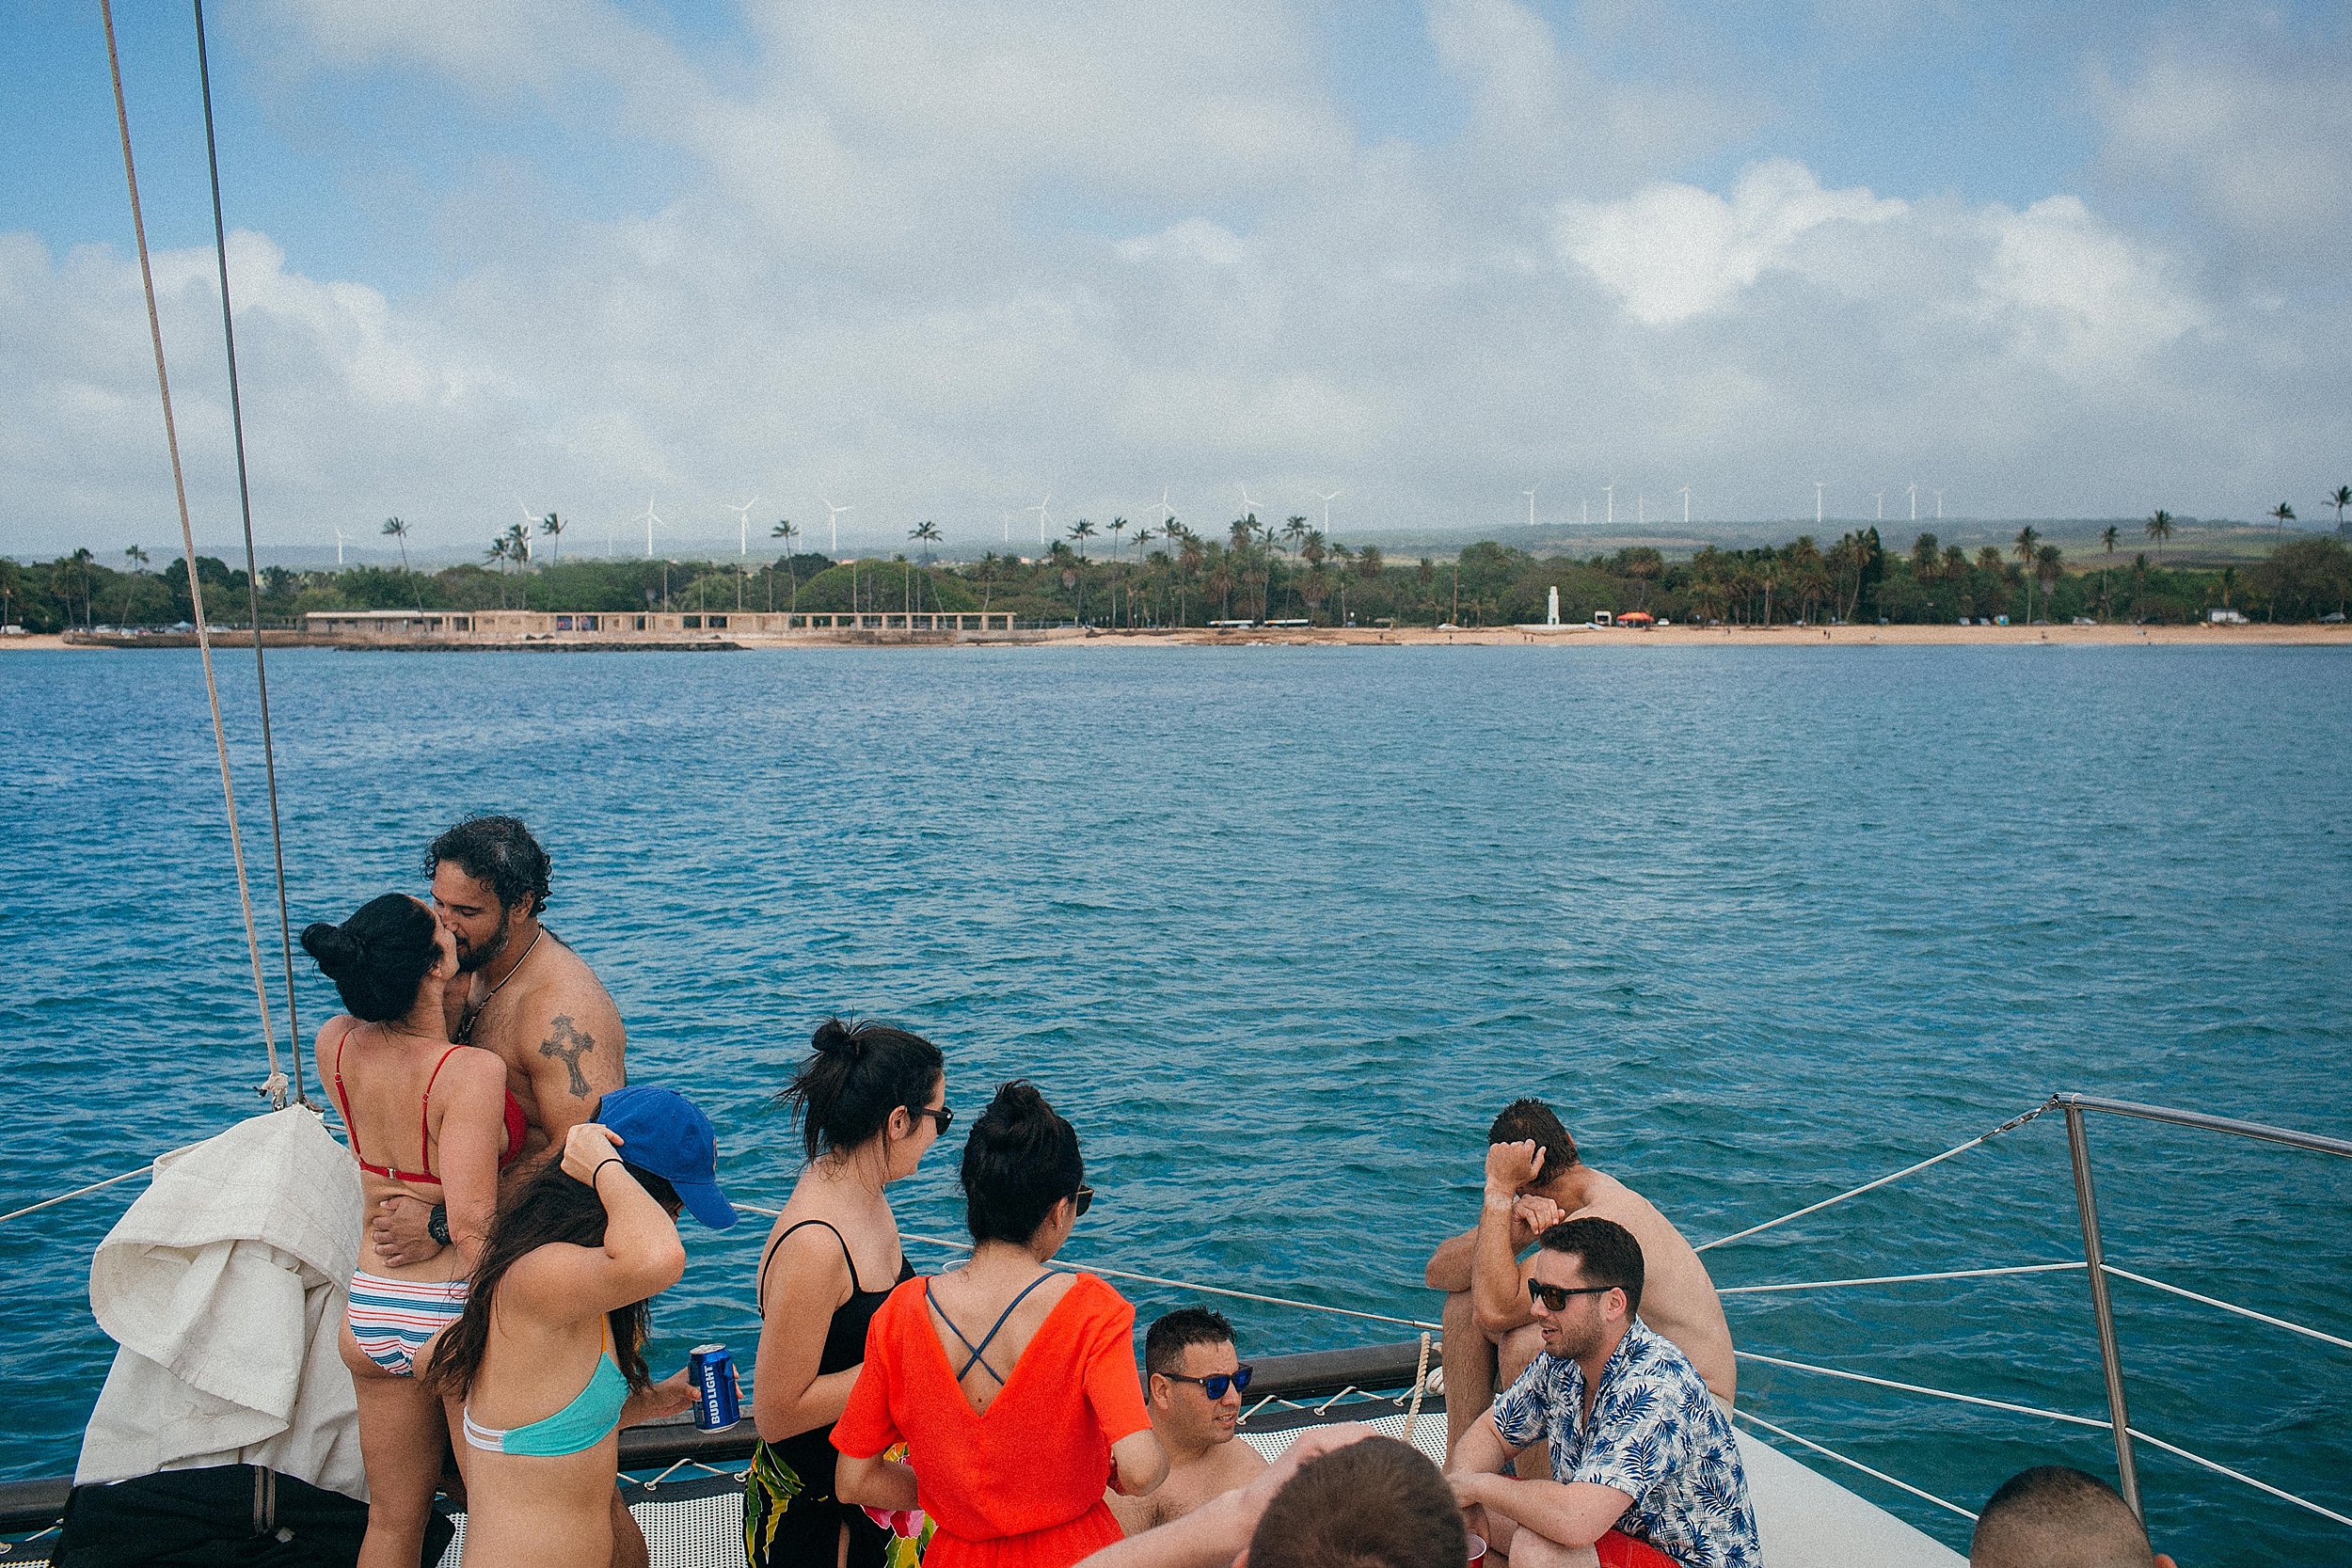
(1215, 1383)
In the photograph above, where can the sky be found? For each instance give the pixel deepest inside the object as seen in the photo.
(930, 259)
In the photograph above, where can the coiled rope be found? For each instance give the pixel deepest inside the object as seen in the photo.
(276, 1085)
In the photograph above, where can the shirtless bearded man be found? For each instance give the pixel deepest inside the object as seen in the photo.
(521, 994)
(1194, 1381)
(1534, 1181)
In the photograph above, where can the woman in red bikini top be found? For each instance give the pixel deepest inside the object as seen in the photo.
(423, 1117)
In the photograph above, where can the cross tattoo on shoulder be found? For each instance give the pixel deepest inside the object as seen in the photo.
(568, 1043)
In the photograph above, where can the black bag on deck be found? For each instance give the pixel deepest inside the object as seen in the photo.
(227, 1516)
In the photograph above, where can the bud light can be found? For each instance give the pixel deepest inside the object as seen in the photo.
(718, 1399)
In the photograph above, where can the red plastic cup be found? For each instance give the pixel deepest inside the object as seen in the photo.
(1477, 1551)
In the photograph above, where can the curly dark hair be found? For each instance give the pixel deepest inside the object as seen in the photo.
(497, 850)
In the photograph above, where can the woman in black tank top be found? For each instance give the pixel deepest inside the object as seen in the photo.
(872, 1101)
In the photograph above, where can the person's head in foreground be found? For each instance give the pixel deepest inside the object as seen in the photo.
(872, 1094)
(380, 957)
(1533, 1121)
(488, 871)
(1024, 1184)
(666, 1146)
(2053, 1516)
(1584, 1285)
(1196, 1377)
(1376, 1503)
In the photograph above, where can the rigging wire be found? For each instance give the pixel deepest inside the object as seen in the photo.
(252, 572)
(276, 1087)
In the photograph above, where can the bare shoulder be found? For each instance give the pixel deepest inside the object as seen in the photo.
(803, 1255)
(570, 984)
(473, 1068)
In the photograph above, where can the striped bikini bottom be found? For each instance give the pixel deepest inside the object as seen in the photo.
(391, 1319)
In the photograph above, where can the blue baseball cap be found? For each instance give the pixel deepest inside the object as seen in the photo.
(663, 1132)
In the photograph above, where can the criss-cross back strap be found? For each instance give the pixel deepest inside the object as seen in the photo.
(980, 1352)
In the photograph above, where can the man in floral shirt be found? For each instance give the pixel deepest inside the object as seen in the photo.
(1645, 1472)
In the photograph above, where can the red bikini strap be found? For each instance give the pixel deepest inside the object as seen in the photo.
(342, 1099)
(425, 1111)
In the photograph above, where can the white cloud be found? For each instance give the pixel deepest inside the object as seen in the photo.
(1672, 252)
(936, 260)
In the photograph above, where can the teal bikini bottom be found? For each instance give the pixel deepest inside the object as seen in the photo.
(581, 1424)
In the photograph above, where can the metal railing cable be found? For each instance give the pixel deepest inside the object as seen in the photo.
(1069, 1266)
(1751, 1416)
(2220, 1469)
(252, 570)
(1921, 1389)
(2228, 1307)
(1980, 1139)
(276, 1087)
(1902, 1278)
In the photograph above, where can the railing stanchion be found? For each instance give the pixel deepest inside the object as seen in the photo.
(2094, 1260)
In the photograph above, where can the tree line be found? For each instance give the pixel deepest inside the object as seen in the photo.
(1252, 571)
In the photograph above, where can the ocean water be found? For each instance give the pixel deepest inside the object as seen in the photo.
(1279, 930)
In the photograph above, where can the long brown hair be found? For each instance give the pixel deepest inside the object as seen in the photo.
(551, 1208)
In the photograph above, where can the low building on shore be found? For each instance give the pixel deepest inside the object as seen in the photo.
(399, 627)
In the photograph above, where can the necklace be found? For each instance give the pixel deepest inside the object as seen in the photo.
(472, 1013)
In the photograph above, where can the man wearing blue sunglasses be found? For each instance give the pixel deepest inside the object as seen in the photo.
(1194, 1380)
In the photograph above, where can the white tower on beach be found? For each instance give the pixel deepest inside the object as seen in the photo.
(1551, 607)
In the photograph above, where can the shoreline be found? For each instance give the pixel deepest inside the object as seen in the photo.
(2199, 635)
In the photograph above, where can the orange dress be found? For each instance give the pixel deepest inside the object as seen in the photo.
(1020, 1485)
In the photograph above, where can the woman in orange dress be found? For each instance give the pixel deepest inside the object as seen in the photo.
(1012, 1384)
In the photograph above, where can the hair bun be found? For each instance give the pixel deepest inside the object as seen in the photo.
(332, 946)
(835, 1038)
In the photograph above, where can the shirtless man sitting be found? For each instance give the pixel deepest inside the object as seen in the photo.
(1534, 1181)
(1196, 1380)
(519, 992)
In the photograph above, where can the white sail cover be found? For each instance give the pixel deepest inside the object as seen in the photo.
(224, 1287)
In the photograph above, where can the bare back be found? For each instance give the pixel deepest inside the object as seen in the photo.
(1678, 1297)
(427, 1114)
(970, 1307)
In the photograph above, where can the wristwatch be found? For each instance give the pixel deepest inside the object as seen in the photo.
(436, 1224)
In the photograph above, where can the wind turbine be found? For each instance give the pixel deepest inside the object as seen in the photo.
(832, 524)
(1249, 507)
(1686, 506)
(1641, 511)
(1880, 496)
(1610, 488)
(1939, 506)
(1817, 503)
(340, 537)
(743, 525)
(1168, 513)
(1326, 511)
(1529, 494)
(1914, 501)
(1007, 518)
(651, 517)
(530, 521)
(1039, 509)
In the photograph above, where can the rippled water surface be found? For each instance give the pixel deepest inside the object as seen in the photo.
(1281, 928)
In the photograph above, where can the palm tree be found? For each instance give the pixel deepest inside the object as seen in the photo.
(785, 531)
(1295, 528)
(398, 530)
(990, 562)
(2049, 565)
(2108, 535)
(552, 526)
(82, 558)
(2028, 542)
(2342, 499)
(2159, 528)
(1081, 532)
(138, 558)
(927, 534)
(2282, 515)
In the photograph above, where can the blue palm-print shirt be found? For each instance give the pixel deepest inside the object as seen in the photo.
(1654, 1436)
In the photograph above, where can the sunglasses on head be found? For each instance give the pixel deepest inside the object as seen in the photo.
(1215, 1383)
(1083, 1199)
(1555, 1297)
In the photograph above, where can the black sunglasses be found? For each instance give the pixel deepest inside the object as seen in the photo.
(1215, 1383)
(1555, 1297)
(1083, 1199)
(944, 1116)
